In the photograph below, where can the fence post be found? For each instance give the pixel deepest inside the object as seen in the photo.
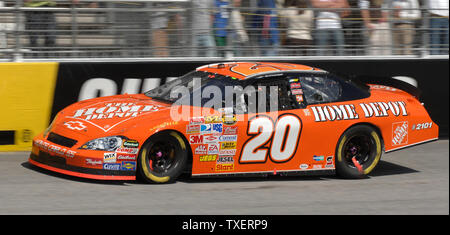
(17, 56)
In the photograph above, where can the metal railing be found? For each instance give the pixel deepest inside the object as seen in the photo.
(153, 29)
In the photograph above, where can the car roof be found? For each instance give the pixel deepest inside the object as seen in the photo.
(244, 70)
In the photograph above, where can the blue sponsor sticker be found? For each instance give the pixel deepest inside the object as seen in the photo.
(205, 128)
(318, 158)
(128, 166)
(112, 166)
(217, 128)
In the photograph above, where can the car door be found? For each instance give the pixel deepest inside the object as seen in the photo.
(273, 126)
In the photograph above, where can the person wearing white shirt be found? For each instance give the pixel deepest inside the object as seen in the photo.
(438, 10)
(299, 22)
(404, 14)
(328, 25)
(375, 14)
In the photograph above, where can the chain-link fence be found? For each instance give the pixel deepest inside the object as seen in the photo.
(153, 29)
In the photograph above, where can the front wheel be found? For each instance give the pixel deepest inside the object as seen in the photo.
(162, 158)
(358, 152)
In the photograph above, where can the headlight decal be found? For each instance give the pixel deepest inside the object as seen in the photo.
(110, 143)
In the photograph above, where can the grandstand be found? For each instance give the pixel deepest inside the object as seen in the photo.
(97, 29)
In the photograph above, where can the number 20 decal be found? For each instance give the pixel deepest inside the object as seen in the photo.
(281, 137)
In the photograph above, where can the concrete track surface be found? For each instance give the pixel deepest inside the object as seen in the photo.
(410, 181)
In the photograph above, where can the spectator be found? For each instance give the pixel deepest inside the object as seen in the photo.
(405, 12)
(40, 23)
(353, 27)
(3, 26)
(159, 25)
(132, 28)
(328, 25)
(239, 35)
(375, 14)
(266, 21)
(299, 25)
(201, 24)
(221, 17)
(438, 26)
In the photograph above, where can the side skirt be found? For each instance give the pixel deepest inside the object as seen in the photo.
(267, 173)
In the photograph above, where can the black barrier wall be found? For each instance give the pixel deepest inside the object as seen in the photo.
(77, 81)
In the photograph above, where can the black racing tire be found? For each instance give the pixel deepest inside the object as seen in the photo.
(363, 143)
(162, 158)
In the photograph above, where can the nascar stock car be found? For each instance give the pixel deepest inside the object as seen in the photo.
(296, 120)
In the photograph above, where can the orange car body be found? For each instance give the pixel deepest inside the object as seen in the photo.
(239, 145)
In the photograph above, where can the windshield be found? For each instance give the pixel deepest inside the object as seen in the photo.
(193, 86)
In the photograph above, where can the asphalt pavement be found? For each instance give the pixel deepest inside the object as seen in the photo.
(410, 181)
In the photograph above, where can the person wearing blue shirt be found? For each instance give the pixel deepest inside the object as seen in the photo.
(266, 21)
(221, 18)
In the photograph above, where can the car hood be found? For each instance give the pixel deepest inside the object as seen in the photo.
(111, 115)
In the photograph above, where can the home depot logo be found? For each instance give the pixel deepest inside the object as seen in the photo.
(399, 133)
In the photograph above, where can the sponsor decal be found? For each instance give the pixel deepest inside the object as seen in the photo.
(127, 150)
(293, 80)
(128, 166)
(400, 133)
(225, 138)
(201, 149)
(348, 111)
(213, 119)
(297, 92)
(329, 162)
(54, 149)
(227, 159)
(225, 167)
(227, 152)
(306, 112)
(230, 130)
(109, 157)
(211, 139)
(112, 166)
(296, 85)
(228, 145)
(93, 162)
(208, 158)
(75, 125)
(381, 87)
(163, 125)
(334, 112)
(126, 157)
(329, 166)
(216, 128)
(213, 148)
(317, 166)
(115, 110)
(229, 119)
(197, 120)
(193, 129)
(299, 98)
(318, 158)
(196, 139)
(380, 109)
(205, 129)
(304, 166)
(131, 144)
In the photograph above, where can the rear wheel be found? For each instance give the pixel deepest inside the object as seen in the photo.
(162, 158)
(358, 152)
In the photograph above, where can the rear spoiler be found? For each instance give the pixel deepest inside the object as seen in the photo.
(386, 81)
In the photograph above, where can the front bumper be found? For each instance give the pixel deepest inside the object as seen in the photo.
(62, 160)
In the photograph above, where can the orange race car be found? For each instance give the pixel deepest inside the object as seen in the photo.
(233, 119)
